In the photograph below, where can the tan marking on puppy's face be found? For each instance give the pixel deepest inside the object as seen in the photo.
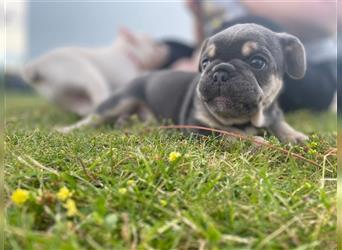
(248, 48)
(211, 50)
(272, 90)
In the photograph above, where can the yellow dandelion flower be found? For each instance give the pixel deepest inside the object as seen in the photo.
(122, 190)
(131, 183)
(163, 202)
(64, 193)
(313, 144)
(312, 151)
(20, 196)
(174, 156)
(71, 208)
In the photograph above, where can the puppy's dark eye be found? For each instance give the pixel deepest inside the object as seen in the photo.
(205, 63)
(257, 62)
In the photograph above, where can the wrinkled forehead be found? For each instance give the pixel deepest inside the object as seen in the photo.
(243, 42)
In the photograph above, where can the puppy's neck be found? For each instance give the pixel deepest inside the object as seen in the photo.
(258, 120)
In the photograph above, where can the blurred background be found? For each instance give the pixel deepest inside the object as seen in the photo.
(33, 28)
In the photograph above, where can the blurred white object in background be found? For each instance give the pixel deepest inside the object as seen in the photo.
(78, 79)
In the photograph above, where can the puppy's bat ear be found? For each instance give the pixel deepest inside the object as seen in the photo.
(203, 48)
(294, 55)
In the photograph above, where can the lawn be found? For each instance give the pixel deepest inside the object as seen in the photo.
(121, 190)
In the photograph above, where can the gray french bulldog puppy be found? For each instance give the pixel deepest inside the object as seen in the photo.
(241, 75)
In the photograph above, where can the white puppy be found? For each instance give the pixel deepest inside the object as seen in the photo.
(78, 79)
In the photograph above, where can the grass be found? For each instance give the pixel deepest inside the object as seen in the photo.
(217, 195)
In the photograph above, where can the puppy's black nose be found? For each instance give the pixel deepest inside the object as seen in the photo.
(220, 76)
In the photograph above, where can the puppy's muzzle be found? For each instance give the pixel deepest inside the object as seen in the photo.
(222, 73)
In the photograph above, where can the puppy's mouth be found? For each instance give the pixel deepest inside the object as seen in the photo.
(219, 101)
(230, 107)
(226, 107)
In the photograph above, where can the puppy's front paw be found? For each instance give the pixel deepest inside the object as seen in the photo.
(87, 121)
(294, 137)
(64, 130)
